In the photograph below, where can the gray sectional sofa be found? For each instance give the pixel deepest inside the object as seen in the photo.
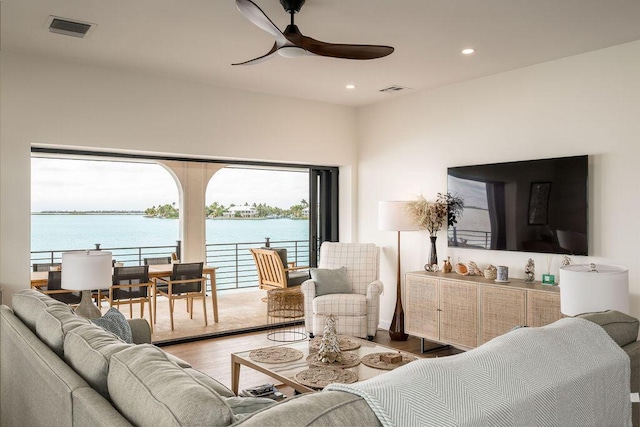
(57, 369)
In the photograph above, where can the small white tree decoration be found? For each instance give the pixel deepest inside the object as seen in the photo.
(329, 346)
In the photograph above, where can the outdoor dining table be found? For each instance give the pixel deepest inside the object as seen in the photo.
(39, 278)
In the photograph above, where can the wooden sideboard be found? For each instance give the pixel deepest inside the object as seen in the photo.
(467, 311)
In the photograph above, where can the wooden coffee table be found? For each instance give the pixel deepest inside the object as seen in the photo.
(285, 372)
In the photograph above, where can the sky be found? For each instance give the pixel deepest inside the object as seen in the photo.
(87, 185)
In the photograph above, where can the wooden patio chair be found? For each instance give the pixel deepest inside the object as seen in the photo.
(272, 273)
(186, 282)
(131, 285)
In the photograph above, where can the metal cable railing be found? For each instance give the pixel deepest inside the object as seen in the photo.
(236, 269)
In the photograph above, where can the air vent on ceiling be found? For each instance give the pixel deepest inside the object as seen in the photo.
(393, 88)
(68, 27)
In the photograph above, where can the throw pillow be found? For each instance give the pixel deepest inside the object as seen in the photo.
(331, 281)
(115, 322)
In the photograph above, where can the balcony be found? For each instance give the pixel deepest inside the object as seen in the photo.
(240, 301)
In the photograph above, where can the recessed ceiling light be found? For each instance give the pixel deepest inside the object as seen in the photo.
(350, 86)
(468, 51)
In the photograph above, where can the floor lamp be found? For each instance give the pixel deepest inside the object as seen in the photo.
(85, 271)
(393, 216)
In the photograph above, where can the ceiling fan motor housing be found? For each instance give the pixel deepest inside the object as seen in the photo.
(292, 6)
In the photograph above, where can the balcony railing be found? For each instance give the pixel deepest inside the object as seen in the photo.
(469, 238)
(236, 269)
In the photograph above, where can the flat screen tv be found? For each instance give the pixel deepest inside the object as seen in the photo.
(529, 206)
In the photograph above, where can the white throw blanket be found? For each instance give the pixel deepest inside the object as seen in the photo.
(569, 373)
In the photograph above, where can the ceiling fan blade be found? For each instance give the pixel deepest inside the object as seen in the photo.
(345, 51)
(257, 17)
(262, 58)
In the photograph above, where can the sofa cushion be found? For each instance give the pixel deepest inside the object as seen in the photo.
(87, 349)
(151, 390)
(28, 303)
(324, 408)
(331, 281)
(53, 324)
(242, 407)
(621, 327)
(115, 322)
(221, 389)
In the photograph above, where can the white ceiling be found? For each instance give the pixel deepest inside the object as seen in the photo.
(199, 40)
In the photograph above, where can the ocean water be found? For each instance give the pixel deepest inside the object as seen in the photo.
(65, 232)
(236, 268)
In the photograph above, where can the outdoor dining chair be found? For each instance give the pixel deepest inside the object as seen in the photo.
(54, 289)
(131, 285)
(157, 260)
(186, 282)
(45, 266)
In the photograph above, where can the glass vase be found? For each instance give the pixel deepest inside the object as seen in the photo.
(433, 255)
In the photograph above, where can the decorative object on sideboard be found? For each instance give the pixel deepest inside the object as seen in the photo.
(548, 278)
(395, 216)
(433, 254)
(502, 275)
(592, 288)
(565, 261)
(491, 272)
(434, 268)
(530, 271)
(431, 216)
(85, 271)
(446, 266)
(462, 269)
(473, 270)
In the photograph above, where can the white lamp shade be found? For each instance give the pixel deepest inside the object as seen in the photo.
(585, 291)
(393, 216)
(85, 270)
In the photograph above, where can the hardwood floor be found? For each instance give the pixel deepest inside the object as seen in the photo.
(213, 356)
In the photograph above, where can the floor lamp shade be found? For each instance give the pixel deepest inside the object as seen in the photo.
(592, 288)
(85, 271)
(393, 216)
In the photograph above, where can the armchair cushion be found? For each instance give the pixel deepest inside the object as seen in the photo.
(330, 281)
(340, 305)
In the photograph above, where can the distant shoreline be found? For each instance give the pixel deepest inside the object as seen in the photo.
(88, 213)
(152, 217)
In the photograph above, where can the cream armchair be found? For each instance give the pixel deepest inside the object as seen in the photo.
(356, 301)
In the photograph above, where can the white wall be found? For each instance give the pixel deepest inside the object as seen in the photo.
(75, 105)
(586, 104)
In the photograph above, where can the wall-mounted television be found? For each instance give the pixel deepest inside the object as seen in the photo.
(530, 206)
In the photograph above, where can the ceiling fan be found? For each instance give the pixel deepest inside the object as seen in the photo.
(292, 43)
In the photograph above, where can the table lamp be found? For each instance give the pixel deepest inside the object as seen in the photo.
(393, 216)
(592, 288)
(85, 271)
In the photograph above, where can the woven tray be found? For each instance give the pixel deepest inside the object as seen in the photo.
(275, 355)
(349, 360)
(322, 377)
(373, 361)
(345, 342)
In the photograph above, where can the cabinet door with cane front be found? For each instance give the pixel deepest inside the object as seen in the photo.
(459, 313)
(543, 308)
(501, 309)
(421, 302)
